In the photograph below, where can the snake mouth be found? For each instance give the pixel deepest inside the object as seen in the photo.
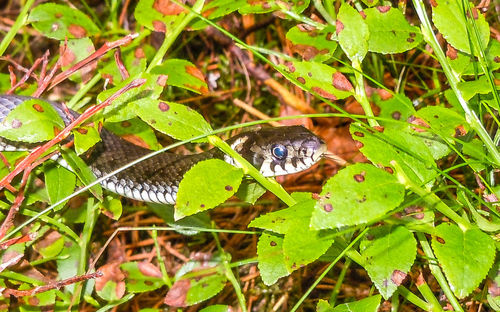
(320, 152)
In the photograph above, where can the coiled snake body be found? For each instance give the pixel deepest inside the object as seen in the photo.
(274, 151)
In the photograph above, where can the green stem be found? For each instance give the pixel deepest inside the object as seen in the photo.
(426, 291)
(226, 259)
(436, 271)
(321, 9)
(20, 21)
(316, 282)
(360, 94)
(163, 268)
(411, 297)
(179, 25)
(88, 228)
(83, 90)
(269, 183)
(430, 198)
(470, 115)
(338, 284)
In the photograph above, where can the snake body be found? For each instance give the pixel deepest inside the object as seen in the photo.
(274, 151)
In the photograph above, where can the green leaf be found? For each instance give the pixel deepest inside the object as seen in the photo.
(271, 258)
(405, 145)
(187, 292)
(311, 43)
(323, 306)
(321, 79)
(50, 245)
(68, 262)
(301, 245)
(357, 194)
(82, 171)
(135, 130)
(449, 18)
(388, 253)
(369, 304)
(40, 300)
(465, 256)
(85, 137)
(112, 207)
(59, 182)
(58, 21)
(32, 121)
(125, 106)
(286, 220)
(206, 185)
(183, 74)
(205, 288)
(353, 33)
(389, 31)
(250, 192)
(141, 276)
(176, 120)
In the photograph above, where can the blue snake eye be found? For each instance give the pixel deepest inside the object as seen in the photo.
(279, 151)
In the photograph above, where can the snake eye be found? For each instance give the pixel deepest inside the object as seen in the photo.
(279, 151)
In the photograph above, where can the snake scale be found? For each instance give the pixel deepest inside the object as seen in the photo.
(274, 151)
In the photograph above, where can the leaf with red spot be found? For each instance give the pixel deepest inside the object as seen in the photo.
(450, 20)
(159, 15)
(271, 258)
(32, 121)
(465, 256)
(183, 74)
(187, 292)
(136, 131)
(352, 32)
(357, 194)
(321, 79)
(219, 179)
(176, 120)
(390, 32)
(311, 43)
(141, 276)
(58, 21)
(400, 142)
(77, 50)
(85, 137)
(111, 285)
(388, 253)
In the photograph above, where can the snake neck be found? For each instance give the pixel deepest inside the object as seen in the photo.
(157, 178)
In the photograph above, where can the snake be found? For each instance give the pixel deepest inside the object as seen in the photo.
(274, 151)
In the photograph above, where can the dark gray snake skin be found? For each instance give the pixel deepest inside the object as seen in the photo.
(274, 151)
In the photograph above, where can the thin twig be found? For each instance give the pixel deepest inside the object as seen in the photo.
(255, 112)
(55, 285)
(93, 57)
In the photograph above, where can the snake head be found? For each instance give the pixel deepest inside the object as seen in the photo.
(279, 151)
